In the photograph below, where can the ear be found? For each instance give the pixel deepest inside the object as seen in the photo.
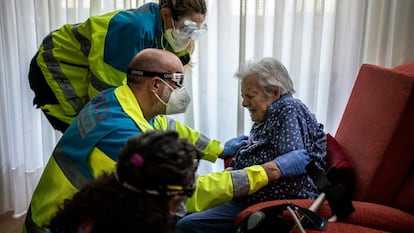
(166, 18)
(276, 93)
(154, 84)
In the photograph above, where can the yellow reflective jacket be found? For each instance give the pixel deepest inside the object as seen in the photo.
(80, 60)
(220, 187)
(91, 145)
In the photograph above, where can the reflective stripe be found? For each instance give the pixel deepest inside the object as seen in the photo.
(77, 179)
(99, 84)
(57, 74)
(171, 124)
(202, 142)
(240, 182)
(96, 83)
(30, 226)
(83, 41)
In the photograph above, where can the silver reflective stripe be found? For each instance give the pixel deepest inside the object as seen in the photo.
(99, 84)
(241, 185)
(202, 142)
(76, 178)
(83, 41)
(171, 124)
(59, 77)
(86, 48)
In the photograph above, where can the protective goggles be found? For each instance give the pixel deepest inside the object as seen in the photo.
(162, 190)
(172, 190)
(177, 78)
(191, 30)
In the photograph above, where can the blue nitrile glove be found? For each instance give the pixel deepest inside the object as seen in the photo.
(293, 163)
(233, 145)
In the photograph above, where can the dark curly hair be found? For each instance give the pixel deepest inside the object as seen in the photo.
(124, 201)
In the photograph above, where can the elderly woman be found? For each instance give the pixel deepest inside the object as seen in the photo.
(282, 124)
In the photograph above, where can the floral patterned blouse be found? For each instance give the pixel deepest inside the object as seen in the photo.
(288, 126)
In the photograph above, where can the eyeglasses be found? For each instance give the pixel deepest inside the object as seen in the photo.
(172, 190)
(177, 78)
(191, 29)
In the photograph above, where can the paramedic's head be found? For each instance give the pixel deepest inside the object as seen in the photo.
(156, 77)
(183, 22)
(159, 166)
(262, 83)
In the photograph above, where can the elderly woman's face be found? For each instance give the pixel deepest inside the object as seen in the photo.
(255, 99)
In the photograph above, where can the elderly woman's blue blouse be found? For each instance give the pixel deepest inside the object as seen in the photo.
(289, 126)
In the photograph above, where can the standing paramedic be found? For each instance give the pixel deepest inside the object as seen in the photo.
(77, 61)
(91, 144)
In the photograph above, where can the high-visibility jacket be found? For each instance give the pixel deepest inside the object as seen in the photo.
(80, 60)
(220, 187)
(91, 145)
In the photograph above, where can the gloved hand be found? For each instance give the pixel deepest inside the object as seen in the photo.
(293, 163)
(233, 145)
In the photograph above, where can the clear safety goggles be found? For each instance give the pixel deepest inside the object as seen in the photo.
(177, 78)
(189, 29)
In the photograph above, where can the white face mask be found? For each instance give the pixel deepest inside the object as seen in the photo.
(181, 209)
(178, 101)
(176, 42)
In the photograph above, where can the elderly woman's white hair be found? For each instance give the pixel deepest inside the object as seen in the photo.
(271, 74)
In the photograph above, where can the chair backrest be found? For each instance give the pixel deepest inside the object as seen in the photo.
(376, 132)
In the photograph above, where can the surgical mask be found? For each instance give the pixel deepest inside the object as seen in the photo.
(181, 209)
(175, 41)
(178, 41)
(178, 101)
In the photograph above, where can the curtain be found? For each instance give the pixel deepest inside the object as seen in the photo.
(321, 42)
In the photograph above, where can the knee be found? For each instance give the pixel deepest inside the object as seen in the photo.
(184, 225)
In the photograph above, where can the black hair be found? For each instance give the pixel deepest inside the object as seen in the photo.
(110, 207)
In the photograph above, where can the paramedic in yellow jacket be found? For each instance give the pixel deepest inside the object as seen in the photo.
(91, 144)
(77, 61)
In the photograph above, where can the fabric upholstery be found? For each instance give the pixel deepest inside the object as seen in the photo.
(376, 132)
(344, 228)
(380, 218)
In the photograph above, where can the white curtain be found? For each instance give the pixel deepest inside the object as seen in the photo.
(321, 42)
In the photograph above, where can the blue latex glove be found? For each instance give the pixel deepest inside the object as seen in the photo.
(233, 145)
(293, 163)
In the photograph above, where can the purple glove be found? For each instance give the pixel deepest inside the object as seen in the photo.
(293, 163)
(233, 145)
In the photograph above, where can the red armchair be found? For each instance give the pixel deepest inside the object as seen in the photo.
(376, 133)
